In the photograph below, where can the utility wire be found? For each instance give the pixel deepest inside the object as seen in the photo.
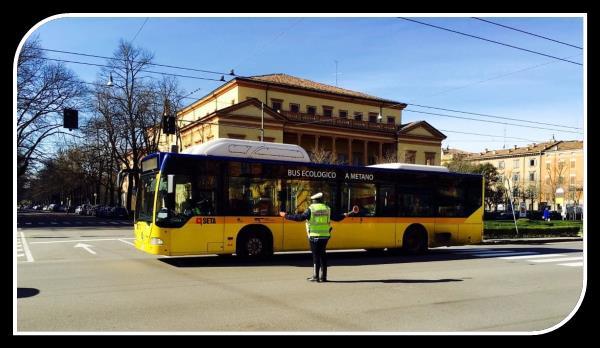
(155, 64)
(525, 32)
(264, 45)
(492, 41)
(489, 135)
(222, 80)
(493, 116)
(148, 71)
(506, 123)
(142, 27)
(496, 77)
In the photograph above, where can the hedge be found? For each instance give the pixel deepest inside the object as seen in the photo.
(525, 232)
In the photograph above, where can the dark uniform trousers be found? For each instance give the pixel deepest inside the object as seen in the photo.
(318, 247)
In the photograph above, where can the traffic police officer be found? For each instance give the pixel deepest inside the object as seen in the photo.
(318, 228)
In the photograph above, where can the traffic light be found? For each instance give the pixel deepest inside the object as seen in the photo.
(70, 118)
(168, 124)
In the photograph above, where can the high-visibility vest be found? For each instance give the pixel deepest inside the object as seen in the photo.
(318, 224)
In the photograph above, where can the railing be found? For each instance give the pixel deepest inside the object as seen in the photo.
(340, 122)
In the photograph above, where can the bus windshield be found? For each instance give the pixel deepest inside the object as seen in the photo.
(185, 189)
(145, 198)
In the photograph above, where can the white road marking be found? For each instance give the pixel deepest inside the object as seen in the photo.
(503, 254)
(78, 240)
(126, 242)
(26, 247)
(87, 247)
(560, 259)
(572, 264)
(531, 257)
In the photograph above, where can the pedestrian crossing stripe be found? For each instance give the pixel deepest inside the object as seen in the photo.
(578, 258)
(572, 264)
(504, 253)
(531, 256)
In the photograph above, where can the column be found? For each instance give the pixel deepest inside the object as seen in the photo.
(333, 150)
(380, 151)
(316, 142)
(365, 156)
(350, 151)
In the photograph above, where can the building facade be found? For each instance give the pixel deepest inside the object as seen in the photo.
(332, 124)
(545, 174)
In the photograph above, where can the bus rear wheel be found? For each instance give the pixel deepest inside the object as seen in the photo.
(414, 241)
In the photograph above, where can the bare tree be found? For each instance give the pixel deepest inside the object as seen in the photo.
(554, 179)
(389, 156)
(43, 90)
(130, 111)
(320, 155)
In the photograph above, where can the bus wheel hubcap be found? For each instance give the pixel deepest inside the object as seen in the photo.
(254, 246)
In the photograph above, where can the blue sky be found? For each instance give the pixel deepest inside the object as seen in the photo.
(383, 56)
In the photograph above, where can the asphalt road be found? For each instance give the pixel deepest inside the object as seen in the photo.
(73, 279)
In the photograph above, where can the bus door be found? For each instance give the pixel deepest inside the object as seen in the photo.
(195, 206)
(366, 229)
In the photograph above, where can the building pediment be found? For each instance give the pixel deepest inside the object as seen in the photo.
(420, 130)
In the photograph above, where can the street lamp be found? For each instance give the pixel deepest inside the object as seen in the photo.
(95, 196)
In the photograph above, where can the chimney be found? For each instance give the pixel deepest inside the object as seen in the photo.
(515, 146)
(486, 150)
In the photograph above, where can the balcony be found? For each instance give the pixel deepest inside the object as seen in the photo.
(339, 122)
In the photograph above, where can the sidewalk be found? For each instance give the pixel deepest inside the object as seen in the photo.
(540, 240)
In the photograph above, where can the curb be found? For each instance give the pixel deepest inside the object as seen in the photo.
(531, 240)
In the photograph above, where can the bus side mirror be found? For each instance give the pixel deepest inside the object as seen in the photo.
(170, 178)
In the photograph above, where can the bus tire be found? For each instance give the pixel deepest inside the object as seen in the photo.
(414, 241)
(254, 242)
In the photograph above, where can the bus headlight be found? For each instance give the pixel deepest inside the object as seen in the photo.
(156, 241)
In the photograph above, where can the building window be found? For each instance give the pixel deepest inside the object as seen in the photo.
(327, 111)
(391, 119)
(572, 180)
(410, 156)
(373, 117)
(501, 165)
(532, 162)
(343, 114)
(276, 104)
(572, 164)
(358, 116)
(295, 108)
(430, 158)
(531, 176)
(515, 178)
(516, 163)
(311, 110)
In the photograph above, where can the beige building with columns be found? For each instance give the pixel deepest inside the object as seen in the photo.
(352, 127)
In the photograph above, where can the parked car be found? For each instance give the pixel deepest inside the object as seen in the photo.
(119, 213)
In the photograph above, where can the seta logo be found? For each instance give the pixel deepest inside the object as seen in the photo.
(206, 220)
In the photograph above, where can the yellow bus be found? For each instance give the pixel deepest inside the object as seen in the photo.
(224, 197)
